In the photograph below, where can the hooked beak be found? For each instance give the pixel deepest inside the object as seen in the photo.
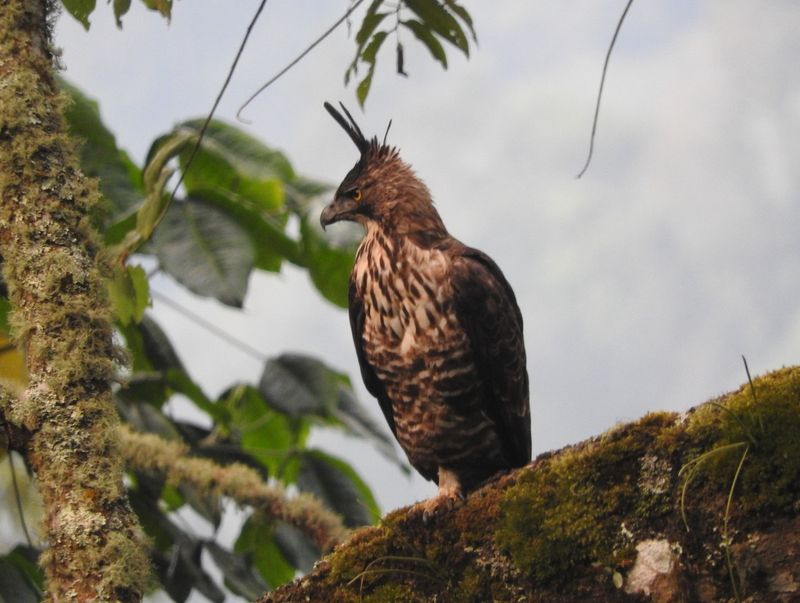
(341, 208)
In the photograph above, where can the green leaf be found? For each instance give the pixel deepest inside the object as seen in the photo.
(157, 347)
(206, 504)
(162, 6)
(299, 385)
(151, 518)
(141, 290)
(205, 250)
(436, 17)
(150, 349)
(337, 485)
(256, 540)
(14, 585)
(171, 497)
(230, 159)
(371, 51)
(180, 382)
(295, 546)
(368, 56)
(263, 433)
(120, 178)
(5, 308)
(368, 26)
(424, 35)
(144, 388)
(145, 417)
(156, 202)
(359, 422)
(120, 8)
(80, 9)
(161, 152)
(129, 293)
(464, 15)
(21, 578)
(302, 191)
(182, 570)
(266, 230)
(371, 21)
(328, 264)
(362, 90)
(239, 575)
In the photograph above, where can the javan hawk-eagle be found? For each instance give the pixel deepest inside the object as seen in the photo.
(436, 327)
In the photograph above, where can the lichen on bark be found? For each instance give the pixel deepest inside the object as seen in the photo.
(61, 322)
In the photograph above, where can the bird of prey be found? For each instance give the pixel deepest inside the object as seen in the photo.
(436, 327)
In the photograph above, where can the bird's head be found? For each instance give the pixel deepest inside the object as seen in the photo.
(381, 188)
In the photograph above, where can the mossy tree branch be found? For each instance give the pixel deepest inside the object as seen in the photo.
(148, 452)
(602, 520)
(61, 321)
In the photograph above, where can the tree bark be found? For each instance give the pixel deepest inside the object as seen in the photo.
(698, 507)
(61, 321)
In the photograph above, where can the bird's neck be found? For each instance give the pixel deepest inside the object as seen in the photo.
(419, 225)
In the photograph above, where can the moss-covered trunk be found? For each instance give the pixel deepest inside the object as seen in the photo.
(61, 322)
(611, 519)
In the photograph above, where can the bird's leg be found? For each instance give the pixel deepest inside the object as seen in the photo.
(450, 493)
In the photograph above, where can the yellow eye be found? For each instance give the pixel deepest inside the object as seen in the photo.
(357, 194)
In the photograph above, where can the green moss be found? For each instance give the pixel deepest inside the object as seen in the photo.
(767, 424)
(472, 586)
(656, 475)
(393, 593)
(570, 510)
(364, 547)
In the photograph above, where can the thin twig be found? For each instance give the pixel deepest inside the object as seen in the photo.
(218, 99)
(600, 91)
(297, 59)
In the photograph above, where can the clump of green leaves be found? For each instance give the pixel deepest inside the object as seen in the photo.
(431, 22)
(82, 9)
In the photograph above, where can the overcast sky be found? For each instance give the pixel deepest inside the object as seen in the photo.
(641, 284)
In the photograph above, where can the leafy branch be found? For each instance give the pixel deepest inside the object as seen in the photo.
(431, 23)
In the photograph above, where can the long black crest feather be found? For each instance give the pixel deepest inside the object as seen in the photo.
(349, 125)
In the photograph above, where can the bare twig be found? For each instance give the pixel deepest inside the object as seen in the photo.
(600, 91)
(298, 58)
(218, 99)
